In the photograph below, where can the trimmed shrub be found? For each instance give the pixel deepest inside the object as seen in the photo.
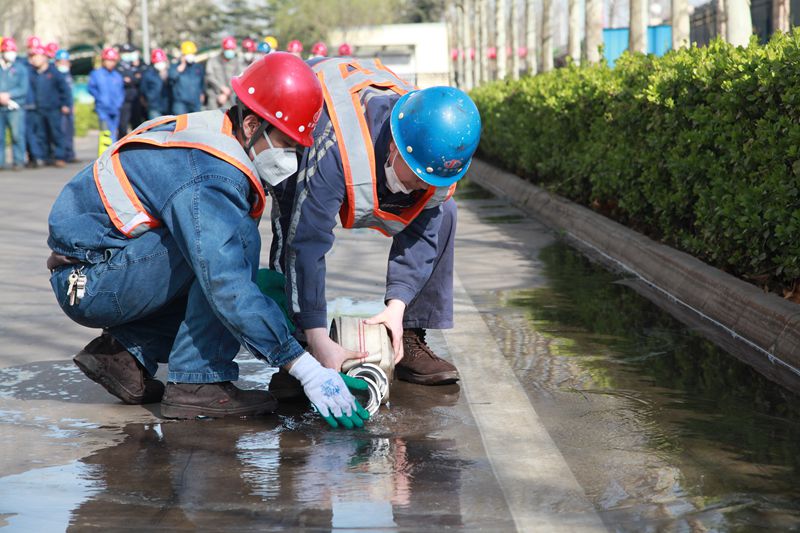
(699, 149)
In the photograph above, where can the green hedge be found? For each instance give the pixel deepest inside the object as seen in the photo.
(85, 119)
(699, 149)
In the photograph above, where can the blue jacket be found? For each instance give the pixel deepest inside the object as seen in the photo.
(70, 84)
(49, 89)
(14, 80)
(187, 86)
(320, 195)
(131, 78)
(108, 90)
(155, 91)
(204, 204)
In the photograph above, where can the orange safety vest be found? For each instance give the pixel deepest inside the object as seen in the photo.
(342, 81)
(209, 131)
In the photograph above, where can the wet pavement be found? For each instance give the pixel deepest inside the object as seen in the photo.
(593, 392)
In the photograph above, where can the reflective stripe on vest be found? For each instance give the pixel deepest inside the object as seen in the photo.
(209, 131)
(341, 88)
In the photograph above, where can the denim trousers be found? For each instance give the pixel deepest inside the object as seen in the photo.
(68, 128)
(15, 122)
(49, 135)
(148, 298)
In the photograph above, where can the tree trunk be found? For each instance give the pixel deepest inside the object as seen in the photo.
(680, 24)
(574, 29)
(594, 30)
(722, 18)
(740, 24)
(452, 40)
(500, 41)
(466, 24)
(780, 15)
(531, 40)
(637, 41)
(547, 35)
(483, 45)
(515, 67)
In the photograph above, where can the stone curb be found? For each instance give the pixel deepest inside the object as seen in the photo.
(770, 324)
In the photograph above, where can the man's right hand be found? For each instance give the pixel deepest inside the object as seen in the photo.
(5, 98)
(327, 351)
(329, 392)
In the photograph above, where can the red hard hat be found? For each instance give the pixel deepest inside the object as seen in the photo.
(33, 42)
(8, 45)
(283, 90)
(345, 49)
(37, 51)
(51, 49)
(249, 44)
(229, 43)
(294, 47)
(319, 49)
(454, 54)
(491, 52)
(110, 53)
(158, 55)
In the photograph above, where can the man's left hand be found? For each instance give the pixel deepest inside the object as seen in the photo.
(392, 318)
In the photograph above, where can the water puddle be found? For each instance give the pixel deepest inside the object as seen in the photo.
(662, 427)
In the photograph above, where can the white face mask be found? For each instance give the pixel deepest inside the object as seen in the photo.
(160, 66)
(248, 56)
(190, 58)
(63, 69)
(10, 57)
(274, 165)
(393, 183)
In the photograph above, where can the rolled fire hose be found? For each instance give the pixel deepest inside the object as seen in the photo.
(377, 369)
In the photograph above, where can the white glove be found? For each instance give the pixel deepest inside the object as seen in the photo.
(324, 387)
(12, 105)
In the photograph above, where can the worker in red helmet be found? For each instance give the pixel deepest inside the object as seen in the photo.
(14, 87)
(319, 50)
(157, 243)
(345, 50)
(155, 84)
(295, 48)
(248, 51)
(50, 49)
(219, 71)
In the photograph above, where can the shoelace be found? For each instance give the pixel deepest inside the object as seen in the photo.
(419, 341)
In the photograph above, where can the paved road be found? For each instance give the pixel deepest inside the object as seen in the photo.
(474, 456)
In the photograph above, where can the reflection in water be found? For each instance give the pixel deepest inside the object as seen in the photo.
(245, 474)
(730, 435)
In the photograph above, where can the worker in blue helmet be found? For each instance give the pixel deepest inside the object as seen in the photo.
(263, 48)
(385, 156)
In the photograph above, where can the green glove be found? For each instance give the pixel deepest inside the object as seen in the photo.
(357, 416)
(273, 285)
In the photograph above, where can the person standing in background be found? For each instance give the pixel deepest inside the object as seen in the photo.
(51, 98)
(187, 80)
(108, 90)
(34, 44)
(219, 71)
(13, 91)
(129, 67)
(155, 88)
(248, 51)
(50, 50)
(63, 65)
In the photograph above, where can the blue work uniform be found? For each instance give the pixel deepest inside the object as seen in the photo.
(420, 269)
(49, 93)
(186, 88)
(183, 292)
(156, 93)
(108, 90)
(68, 121)
(14, 81)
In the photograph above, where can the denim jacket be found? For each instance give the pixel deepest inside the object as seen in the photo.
(204, 203)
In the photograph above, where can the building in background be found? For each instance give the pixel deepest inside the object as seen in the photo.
(417, 53)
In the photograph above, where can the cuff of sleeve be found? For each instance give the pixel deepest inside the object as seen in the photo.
(403, 293)
(311, 319)
(288, 351)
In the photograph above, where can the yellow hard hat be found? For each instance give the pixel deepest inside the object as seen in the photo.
(188, 47)
(271, 41)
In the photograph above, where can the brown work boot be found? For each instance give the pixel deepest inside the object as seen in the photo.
(107, 362)
(285, 386)
(214, 400)
(59, 163)
(420, 365)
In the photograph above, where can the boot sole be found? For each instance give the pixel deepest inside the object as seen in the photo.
(89, 366)
(440, 378)
(184, 411)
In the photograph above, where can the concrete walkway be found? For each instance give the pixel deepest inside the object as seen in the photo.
(474, 456)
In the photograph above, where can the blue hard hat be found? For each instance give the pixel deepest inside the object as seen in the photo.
(436, 131)
(264, 47)
(62, 54)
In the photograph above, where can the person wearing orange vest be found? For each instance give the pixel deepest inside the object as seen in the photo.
(157, 243)
(385, 156)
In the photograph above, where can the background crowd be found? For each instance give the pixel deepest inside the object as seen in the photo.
(36, 98)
